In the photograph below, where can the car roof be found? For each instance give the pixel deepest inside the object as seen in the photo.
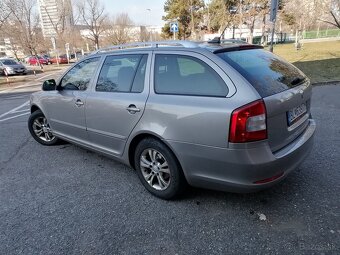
(214, 47)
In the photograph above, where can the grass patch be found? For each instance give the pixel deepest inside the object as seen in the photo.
(320, 61)
(322, 33)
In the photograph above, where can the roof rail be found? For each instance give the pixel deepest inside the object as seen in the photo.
(156, 44)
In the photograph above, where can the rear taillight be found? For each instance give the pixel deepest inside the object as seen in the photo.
(248, 123)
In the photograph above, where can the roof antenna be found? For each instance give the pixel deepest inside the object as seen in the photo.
(217, 39)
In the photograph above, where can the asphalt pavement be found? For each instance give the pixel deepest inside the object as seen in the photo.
(67, 200)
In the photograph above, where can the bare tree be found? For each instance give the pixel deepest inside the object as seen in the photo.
(5, 12)
(24, 21)
(248, 12)
(331, 12)
(121, 29)
(92, 14)
(63, 21)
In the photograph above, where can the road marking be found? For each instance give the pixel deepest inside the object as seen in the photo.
(25, 110)
(15, 109)
(43, 77)
(16, 116)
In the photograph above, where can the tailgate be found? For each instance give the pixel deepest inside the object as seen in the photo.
(287, 115)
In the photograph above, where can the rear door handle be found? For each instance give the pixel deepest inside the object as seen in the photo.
(132, 109)
(79, 103)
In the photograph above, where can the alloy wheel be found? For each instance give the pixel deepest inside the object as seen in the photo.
(155, 169)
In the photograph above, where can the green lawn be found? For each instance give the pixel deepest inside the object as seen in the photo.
(319, 61)
(322, 33)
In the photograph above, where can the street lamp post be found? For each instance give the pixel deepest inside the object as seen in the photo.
(147, 20)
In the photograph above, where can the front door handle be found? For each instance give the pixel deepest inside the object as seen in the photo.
(79, 103)
(132, 109)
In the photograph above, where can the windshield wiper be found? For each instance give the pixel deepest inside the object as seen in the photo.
(297, 81)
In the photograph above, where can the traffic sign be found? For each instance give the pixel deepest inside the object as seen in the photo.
(174, 27)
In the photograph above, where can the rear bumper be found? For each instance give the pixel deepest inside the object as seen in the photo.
(237, 170)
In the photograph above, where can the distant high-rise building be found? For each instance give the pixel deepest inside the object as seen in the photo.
(55, 15)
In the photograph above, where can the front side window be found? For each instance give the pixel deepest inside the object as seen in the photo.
(79, 77)
(122, 73)
(186, 75)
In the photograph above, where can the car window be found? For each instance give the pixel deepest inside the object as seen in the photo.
(266, 72)
(138, 83)
(118, 74)
(186, 75)
(9, 62)
(79, 77)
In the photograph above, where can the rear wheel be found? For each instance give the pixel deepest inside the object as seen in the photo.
(40, 129)
(158, 169)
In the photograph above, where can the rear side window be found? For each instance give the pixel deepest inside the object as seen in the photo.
(185, 75)
(266, 72)
(122, 73)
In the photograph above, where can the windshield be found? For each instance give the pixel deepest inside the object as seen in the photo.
(266, 72)
(9, 62)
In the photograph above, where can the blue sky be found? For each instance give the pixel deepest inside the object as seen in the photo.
(137, 10)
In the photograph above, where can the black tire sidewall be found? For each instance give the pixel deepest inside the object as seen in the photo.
(177, 183)
(31, 119)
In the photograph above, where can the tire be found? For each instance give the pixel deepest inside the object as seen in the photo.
(164, 174)
(42, 133)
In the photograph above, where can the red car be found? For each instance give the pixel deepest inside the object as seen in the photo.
(34, 61)
(61, 60)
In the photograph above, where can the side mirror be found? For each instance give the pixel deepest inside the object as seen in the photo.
(49, 85)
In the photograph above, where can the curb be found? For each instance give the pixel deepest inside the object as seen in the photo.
(326, 83)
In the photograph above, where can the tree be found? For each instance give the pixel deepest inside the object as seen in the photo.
(221, 14)
(188, 13)
(62, 22)
(121, 29)
(331, 12)
(24, 21)
(93, 15)
(5, 12)
(248, 11)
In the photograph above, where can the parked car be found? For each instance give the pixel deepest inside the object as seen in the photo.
(62, 60)
(37, 60)
(10, 66)
(48, 58)
(226, 116)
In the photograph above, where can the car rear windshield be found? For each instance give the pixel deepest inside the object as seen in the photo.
(266, 72)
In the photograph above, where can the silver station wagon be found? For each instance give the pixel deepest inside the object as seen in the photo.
(229, 116)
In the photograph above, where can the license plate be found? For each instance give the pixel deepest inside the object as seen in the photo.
(294, 114)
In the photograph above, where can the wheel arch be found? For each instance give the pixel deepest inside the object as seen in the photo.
(34, 108)
(141, 136)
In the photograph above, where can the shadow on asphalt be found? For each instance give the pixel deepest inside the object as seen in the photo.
(325, 70)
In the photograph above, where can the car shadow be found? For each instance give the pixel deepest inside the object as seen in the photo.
(325, 70)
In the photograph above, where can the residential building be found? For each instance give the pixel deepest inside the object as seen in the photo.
(55, 15)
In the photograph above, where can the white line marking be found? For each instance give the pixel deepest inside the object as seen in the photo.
(25, 110)
(15, 116)
(13, 110)
(43, 77)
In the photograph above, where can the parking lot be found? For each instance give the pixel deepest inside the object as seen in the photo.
(67, 200)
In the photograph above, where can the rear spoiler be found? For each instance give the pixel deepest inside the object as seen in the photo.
(238, 48)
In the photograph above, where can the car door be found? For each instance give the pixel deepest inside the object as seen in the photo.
(65, 106)
(117, 101)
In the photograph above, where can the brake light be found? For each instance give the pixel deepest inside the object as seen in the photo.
(248, 123)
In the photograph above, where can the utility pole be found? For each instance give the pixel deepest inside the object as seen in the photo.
(273, 11)
(192, 18)
(148, 12)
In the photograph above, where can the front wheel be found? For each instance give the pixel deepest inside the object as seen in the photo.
(40, 129)
(158, 169)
